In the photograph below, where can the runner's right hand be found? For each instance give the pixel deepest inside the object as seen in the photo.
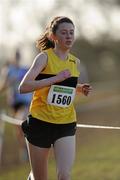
(65, 74)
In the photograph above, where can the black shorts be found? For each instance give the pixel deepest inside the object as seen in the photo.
(44, 134)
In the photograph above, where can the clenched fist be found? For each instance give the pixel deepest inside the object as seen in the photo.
(83, 88)
(61, 76)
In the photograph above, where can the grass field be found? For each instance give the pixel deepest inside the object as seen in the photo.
(98, 150)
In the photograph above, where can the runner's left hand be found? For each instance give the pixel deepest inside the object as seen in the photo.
(84, 89)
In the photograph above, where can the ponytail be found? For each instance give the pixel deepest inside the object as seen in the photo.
(44, 42)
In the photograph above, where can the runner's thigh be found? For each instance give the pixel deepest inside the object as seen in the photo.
(64, 149)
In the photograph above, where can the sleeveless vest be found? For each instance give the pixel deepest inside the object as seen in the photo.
(54, 104)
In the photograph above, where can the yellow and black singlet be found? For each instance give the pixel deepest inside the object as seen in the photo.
(54, 104)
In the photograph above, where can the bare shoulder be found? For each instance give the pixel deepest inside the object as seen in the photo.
(78, 64)
(41, 59)
(37, 66)
(78, 61)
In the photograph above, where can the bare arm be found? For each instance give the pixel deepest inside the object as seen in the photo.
(29, 84)
(83, 88)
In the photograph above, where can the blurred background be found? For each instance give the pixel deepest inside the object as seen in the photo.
(97, 45)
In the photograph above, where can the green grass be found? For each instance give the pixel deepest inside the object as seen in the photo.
(97, 150)
(96, 159)
(99, 158)
(15, 173)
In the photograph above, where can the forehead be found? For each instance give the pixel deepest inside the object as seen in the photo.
(66, 26)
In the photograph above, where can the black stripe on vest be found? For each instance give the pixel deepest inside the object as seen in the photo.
(71, 82)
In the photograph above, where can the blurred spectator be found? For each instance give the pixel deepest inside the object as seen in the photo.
(11, 75)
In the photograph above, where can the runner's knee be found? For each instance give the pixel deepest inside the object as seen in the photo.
(63, 175)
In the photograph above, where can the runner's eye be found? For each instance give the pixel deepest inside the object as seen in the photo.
(63, 33)
(72, 32)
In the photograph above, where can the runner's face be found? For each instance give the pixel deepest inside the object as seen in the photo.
(65, 36)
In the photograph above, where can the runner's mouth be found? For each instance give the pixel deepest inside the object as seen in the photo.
(68, 42)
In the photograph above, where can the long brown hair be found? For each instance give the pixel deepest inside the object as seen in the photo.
(44, 42)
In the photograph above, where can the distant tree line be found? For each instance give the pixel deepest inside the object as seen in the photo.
(102, 59)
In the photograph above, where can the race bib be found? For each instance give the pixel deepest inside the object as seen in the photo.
(61, 96)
